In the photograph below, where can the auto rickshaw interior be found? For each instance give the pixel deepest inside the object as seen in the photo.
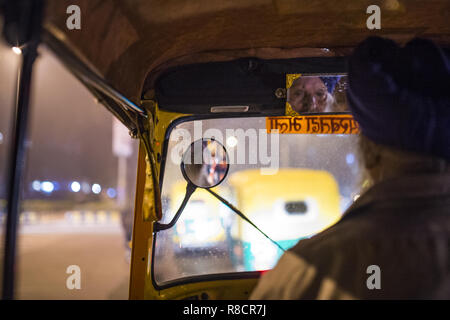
(203, 246)
(227, 77)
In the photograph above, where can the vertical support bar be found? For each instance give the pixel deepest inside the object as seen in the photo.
(16, 166)
(22, 28)
(142, 234)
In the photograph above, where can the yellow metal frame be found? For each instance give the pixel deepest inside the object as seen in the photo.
(146, 214)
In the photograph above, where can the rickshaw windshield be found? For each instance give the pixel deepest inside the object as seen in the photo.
(291, 185)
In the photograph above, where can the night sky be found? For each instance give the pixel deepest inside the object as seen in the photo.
(70, 135)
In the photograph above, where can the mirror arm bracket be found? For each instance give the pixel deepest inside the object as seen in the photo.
(190, 188)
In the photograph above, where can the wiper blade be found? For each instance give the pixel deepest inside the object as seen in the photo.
(240, 214)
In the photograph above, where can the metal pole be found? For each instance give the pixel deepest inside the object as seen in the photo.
(16, 166)
(121, 182)
(86, 75)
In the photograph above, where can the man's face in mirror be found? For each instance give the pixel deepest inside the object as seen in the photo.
(308, 94)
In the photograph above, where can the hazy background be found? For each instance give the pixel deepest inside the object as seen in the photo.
(71, 211)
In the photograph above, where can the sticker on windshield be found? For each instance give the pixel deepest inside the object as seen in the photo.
(315, 94)
(317, 124)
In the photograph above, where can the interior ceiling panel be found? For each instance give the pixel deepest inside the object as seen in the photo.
(126, 40)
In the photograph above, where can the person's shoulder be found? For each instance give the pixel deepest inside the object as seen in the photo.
(291, 278)
(343, 230)
(346, 238)
(298, 276)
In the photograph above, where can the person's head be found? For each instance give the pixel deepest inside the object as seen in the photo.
(308, 94)
(396, 95)
(382, 162)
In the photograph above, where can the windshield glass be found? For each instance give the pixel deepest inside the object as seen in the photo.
(290, 185)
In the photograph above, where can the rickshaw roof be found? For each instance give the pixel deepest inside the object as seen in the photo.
(130, 42)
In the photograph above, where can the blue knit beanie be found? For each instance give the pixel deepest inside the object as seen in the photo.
(401, 96)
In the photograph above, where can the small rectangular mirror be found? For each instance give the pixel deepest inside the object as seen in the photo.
(319, 93)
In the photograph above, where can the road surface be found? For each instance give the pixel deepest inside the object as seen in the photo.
(49, 243)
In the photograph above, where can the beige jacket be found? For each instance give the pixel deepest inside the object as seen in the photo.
(400, 227)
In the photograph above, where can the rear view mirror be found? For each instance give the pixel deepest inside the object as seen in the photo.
(205, 163)
(315, 94)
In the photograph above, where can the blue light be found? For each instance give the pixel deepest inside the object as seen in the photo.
(47, 186)
(56, 186)
(36, 185)
(111, 192)
(350, 158)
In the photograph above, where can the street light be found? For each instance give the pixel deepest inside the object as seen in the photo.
(111, 192)
(96, 188)
(17, 50)
(75, 186)
(36, 185)
(232, 141)
(47, 186)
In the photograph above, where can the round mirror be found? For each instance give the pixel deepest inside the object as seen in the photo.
(205, 163)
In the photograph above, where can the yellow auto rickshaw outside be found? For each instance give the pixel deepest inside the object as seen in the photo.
(293, 203)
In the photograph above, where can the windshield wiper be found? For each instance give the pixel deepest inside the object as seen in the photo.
(190, 188)
(240, 214)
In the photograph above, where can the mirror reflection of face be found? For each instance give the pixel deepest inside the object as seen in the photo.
(308, 94)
